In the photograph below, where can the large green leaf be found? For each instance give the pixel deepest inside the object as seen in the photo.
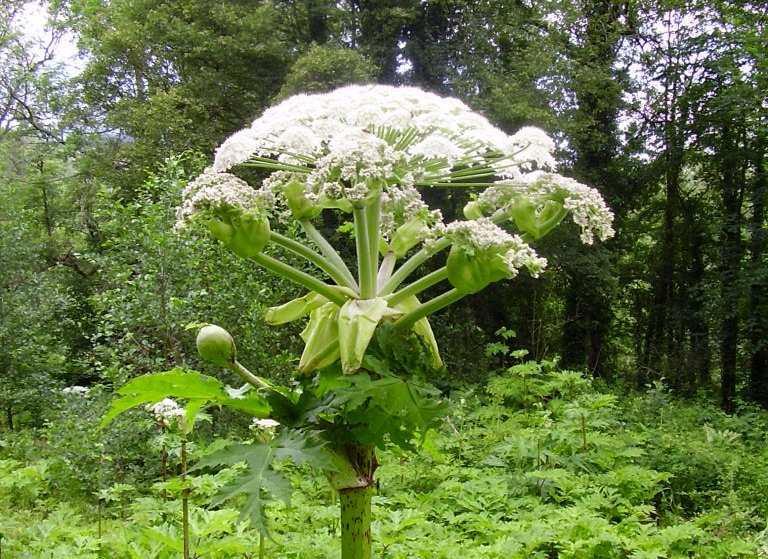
(388, 405)
(197, 389)
(260, 481)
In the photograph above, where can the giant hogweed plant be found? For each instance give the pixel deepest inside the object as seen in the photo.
(367, 152)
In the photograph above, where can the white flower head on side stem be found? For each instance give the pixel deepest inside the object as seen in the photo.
(265, 424)
(213, 190)
(166, 411)
(76, 391)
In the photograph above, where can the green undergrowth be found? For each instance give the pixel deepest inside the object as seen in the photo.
(537, 464)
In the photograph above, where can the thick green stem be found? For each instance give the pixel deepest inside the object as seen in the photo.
(355, 492)
(302, 278)
(184, 499)
(363, 247)
(410, 265)
(329, 252)
(419, 285)
(325, 264)
(249, 377)
(372, 223)
(429, 307)
(355, 523)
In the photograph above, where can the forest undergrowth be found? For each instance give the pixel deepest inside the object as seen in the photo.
(538, 463)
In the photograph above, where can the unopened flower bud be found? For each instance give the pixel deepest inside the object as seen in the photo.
(216, 345)
(243, 232)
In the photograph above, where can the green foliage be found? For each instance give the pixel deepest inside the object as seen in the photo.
(492, 481)
(260, 479)
(325, 67)
(196, 389)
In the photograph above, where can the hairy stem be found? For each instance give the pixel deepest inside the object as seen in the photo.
(355, 501)
(419, 285)
(325, 264)
(329, 252)
(355, 523)
(299, 277)
(429, 307)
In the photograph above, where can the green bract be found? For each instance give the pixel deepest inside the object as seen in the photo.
(358, 320)
(243, 232)
(407, 236)
(537, 221)
(294, 309)
(321, 339)
(296, 199)
(472, 271)
(423, 329)
(216, 345)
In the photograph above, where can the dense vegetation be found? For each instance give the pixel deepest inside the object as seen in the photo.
(660, 105)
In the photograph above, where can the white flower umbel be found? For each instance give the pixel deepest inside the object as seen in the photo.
(483, 236)
(213, 190)
(359, 138)
(585, 203)
(264, 424)
(76, 390)
(166, 411)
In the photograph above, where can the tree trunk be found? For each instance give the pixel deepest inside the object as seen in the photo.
(699, 352)
(758, 293)
(730, 269)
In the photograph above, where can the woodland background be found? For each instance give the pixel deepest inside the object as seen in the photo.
(614, 408)
(659, 104)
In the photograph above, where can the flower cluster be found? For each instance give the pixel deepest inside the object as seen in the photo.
(166, 411)
(401, 205)
(482, 236)
(76, 390)
(264, 424)
(587, 206)
(212, 190)
(359, 138)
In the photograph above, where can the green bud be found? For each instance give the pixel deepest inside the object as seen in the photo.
(473, 211)
(470, 273)
(216, 345)
(244, 233)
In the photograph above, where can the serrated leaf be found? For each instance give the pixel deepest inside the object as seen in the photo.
(259, 479)
(414, 405)
(197, 389)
